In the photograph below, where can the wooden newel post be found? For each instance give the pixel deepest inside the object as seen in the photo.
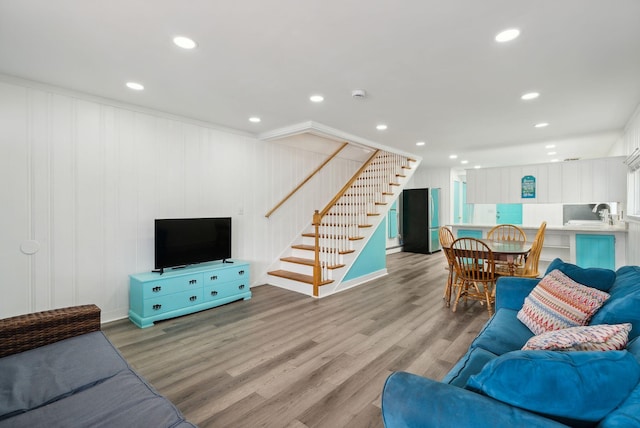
(317, 219)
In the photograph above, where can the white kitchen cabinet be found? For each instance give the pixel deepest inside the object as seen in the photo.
(570, 183)
(615, 188)
(554, 183)
(582, 181)
(476, 186)
(515, 180)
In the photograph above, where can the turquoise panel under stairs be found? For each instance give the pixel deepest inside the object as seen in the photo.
(372, 258)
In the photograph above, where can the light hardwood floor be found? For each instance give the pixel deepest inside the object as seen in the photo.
(283, 359)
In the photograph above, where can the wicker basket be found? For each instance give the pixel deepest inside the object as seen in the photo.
(24, 332)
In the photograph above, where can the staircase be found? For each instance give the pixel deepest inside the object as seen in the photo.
(319, 260)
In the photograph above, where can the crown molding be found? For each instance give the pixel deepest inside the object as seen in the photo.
(321, 130)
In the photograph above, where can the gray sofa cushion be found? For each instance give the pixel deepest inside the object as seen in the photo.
(120, 401)
(81, 381)
(38, 376)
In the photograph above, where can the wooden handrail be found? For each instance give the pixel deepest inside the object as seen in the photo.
(347, 186)
(267, 215)
(317, 220)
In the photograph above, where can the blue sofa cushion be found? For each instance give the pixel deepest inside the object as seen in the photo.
(599, 278)
(548, 382)
(512, 290)
(471, 363)
(624, 303)
(625, 416)
(409, 400)
(503, 333)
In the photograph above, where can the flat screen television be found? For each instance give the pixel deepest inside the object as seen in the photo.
(184, 241)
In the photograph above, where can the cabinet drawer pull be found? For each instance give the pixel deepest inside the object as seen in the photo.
(214, 277)
(193, 281)
(156, 289)
(240, 287)
(193, 298)
(156, 307)
(241, 272)
(214, 293)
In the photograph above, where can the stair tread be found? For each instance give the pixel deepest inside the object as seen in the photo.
(307, 279)
(298, 260)
(307, 262)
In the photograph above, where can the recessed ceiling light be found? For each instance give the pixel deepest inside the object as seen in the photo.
(549, 146)
(507, 35)
(381, 127)
(135, 86)
(477, 167)
(530, 96)
(541, 125)
(551, 153)
(464, 162)
(316, 98)
(184, 42)
(453, 156)
(554, 160)
(420, 143)
(254, 119)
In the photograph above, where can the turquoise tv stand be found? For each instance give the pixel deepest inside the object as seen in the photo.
(154, 296)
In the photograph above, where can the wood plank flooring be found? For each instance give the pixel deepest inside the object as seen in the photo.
(283, 359)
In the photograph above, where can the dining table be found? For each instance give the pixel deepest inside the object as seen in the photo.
(509, 250)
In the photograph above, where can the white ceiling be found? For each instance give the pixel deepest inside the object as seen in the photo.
(431, 68)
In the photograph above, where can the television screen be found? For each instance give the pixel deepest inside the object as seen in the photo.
(185, 241)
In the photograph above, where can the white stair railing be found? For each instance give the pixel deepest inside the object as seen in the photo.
(339, 224)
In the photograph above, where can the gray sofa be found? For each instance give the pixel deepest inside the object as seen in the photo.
(57, 369)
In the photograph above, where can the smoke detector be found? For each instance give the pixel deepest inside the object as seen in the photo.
(359, 93)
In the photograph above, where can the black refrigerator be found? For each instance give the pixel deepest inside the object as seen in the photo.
(421, 220)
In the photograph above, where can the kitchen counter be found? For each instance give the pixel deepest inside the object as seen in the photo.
(604, 228)
(563, 241)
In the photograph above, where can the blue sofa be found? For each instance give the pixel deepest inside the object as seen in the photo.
(57, 369)
(497, 384)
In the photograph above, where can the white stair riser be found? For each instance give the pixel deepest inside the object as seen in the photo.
(296, 267)
(299, 287)
(305, 254)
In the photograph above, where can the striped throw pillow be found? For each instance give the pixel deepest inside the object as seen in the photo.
(559, 302)
(602, 337)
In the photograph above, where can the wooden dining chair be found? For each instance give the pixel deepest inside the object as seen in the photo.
(508, 232)
(446, 239)
(530, 268)
(474, 272)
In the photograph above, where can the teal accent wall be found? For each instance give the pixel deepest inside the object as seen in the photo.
(373, 256)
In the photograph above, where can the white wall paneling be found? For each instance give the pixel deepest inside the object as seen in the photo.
(627, 144)
(84, 179)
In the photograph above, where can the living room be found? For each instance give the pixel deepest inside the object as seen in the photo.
(88, 166)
